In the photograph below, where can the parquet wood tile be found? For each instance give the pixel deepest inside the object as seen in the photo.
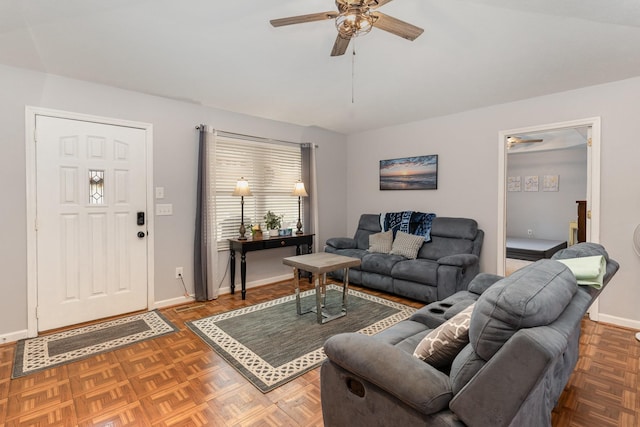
(93, 380)
(149, 382)
(177, 380)
(201, 415)
(245, 402)
(182, 398)
(104, 400)
(130, 415)
(61, 415)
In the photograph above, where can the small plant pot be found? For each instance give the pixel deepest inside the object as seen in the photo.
(273, 233)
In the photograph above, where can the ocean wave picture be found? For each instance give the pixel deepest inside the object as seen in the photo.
(409, 173)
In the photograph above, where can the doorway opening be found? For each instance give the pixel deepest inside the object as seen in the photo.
(532, 162)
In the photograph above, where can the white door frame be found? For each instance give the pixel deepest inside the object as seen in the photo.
(31, 168)
(593, 185)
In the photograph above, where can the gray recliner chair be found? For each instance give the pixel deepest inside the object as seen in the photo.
(523, 346)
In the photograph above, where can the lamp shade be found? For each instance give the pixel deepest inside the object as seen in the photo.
(299, 190)
(242, 188)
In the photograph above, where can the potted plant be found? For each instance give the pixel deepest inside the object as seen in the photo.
(273, 222)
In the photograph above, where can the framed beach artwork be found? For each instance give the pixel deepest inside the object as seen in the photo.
(409, 173)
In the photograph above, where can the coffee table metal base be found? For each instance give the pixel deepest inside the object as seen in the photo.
(320, 283)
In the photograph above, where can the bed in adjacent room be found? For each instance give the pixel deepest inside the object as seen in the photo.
(533, 249)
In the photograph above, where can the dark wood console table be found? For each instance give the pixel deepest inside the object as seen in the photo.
(244, 246)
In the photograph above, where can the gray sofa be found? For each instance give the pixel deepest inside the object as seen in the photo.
(523, 346)
(444, 266)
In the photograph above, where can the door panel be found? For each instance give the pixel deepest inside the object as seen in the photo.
(91, 182)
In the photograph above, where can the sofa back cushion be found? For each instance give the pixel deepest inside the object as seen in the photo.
(580, 250)
(369, 224)
(450, 236)
(532, 296)
(440, 247)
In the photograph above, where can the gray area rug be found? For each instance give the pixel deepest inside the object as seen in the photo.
(47, 351)
(270, 344)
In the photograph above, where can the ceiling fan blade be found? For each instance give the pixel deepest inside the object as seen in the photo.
(517, 140)
(303, 18)
(340, 46)
(396, 26)
(377, 3)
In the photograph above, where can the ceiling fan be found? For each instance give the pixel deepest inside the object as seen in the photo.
(512, 140)
(354, 18)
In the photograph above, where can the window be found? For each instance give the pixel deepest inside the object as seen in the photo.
(271, 169)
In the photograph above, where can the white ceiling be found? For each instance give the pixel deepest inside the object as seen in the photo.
(225, 54)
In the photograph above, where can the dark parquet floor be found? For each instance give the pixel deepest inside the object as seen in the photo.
(177, 380)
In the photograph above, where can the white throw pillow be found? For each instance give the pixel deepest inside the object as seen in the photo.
(407, 245)
(381, 242)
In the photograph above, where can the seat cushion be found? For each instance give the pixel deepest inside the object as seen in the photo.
(532, 296)
(379, 263)
(416, 270)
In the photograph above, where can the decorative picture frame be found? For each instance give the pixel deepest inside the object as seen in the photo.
(550, 183)
(409, 173)
(514, 183)
(531, 183)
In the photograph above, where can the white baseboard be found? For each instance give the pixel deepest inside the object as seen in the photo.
(619, 321)
(173, 301)
(13, 336)
(221, 291)
(255, 284)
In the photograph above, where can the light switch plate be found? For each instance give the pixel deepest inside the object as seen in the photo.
(164, 209)
(159, 192)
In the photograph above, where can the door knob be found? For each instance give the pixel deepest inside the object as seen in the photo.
(141, 234)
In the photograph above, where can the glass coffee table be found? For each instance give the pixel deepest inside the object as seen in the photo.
(319, 264)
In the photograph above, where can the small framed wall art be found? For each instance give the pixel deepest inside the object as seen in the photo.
(531, 183)
(513, 183)
(409, 173)
(550, 182)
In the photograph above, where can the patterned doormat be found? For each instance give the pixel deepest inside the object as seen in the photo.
(47, 351)
(270, 344)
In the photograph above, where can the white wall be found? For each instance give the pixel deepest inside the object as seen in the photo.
(467, 145)
(175, 154)
(546, 214)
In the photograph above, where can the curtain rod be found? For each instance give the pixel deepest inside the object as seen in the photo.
(257, 138)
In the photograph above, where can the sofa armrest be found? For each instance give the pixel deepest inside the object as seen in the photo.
(459, 260)
(540, 351)
(408, 378)
(482, 282)
(341, 243)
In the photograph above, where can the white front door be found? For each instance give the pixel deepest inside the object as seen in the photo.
(91, 238)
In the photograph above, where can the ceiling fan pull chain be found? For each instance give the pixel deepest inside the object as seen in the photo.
(353, 72)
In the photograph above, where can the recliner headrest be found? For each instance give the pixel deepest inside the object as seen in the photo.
(532, 296)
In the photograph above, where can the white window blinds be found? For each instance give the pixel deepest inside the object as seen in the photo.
(271, 169)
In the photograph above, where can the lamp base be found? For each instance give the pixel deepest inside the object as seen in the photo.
(299, 227)
(242, 231)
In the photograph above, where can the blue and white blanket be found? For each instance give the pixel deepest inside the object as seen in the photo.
(418, 223)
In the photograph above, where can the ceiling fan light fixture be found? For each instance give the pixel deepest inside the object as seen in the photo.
(354, 22)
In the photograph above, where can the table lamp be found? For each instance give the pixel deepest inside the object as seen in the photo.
(299, 191)
(242, 189)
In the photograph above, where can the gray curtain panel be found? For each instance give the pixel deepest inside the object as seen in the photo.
(200, 250)
(307, 224)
